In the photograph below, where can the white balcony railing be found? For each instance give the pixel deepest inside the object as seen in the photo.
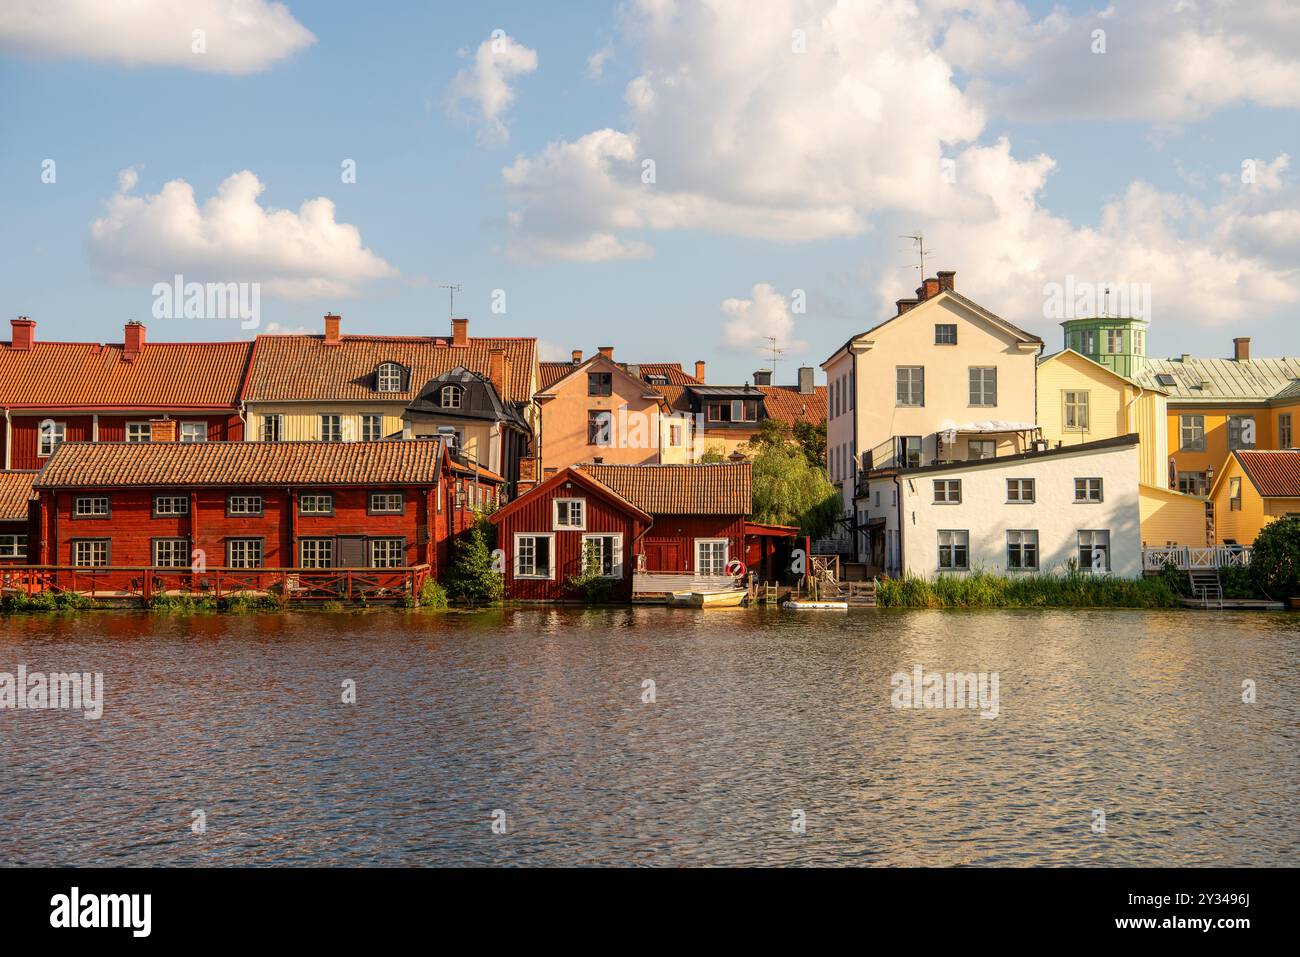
(1187, 558)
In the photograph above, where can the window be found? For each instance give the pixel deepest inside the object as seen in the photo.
(1166, 380)
(570, 513)
(1241, 432)
(1193, 483)
(983, 385)
(372, 428)
(1192, 432)
(193, 432)
(954, 550)
(171, 553)
(244, 505)
(52, 435)
(386, 503)
(1076, 411)
(387, 552)
(1020, 490)
(322, 504)
(600, 383)
(603, 554)
(711, 556)
(598, 423)
(170, 505)
(977, 449)
(657, 378)
(1022, 549)
(13, 546)
(911, 385)
(1234, 494)
(389, 377)
(1087, 490)
(909, 451)
(90, 552)
(244, 552)
(1094, 551)
(675, 434)
(90, 506)
(1139, 342)
(945, 334)
(1114, 341)
(317, 552)
(947, 491)
(271, 428)
(1088, 341)
(139, 432)
(877, 498)
(331, 428)
(450, 397)
(1285, 437)
(533, 556)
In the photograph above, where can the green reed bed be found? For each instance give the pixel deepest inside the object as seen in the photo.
(986, 590)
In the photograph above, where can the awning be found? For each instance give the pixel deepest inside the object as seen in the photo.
(986, 427)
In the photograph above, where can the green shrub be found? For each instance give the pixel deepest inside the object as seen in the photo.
(471, 578)
(242, 601)
(1275, 559)
(185, 602)
(432, 595)
(331, 606)
(1238, 582)
(48, 600)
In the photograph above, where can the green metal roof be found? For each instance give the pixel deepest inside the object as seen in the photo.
(1209, 381)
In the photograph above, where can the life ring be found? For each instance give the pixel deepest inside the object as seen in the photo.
(736, 568)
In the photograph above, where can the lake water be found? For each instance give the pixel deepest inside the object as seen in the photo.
(758, 714)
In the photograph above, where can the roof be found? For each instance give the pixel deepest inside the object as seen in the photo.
(568, 475)
(476, 386)
(787, 403)
(1152, 386)
(723, 488)
(296, 368)
(1275, 474)
(165, 375)
(187, 464)
(15, 492)
(1119, 441)
(1256, 380)
(599, 362)
(553, 372)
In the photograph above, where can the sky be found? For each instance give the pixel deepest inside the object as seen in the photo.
(681, 180)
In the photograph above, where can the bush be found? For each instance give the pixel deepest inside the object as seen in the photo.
(471, 578)
(242, 601)
(187, 603)
(984, 590)
(49, 600)
(431, 595)
(1275, 559)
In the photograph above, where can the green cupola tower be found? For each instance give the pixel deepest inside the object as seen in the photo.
(1118, 344)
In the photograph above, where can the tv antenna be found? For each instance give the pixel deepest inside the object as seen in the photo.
(452, 288)
(919, 241)
(776, 354)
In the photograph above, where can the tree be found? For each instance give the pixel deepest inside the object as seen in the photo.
(471, 578)
(788, 490)
(812, 439)
(712, 455)
(1275, 559)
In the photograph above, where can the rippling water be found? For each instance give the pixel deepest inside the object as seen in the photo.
(758, 713)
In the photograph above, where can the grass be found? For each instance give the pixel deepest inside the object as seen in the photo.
(43, 601)
(985, 590)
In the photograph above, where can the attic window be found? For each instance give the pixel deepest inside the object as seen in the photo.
(388, 378)
(657, 378)
(450, 397)
(1165, 379)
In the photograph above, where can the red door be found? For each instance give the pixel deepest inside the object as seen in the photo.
(663, 556)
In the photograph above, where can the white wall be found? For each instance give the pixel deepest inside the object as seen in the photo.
(840, 446)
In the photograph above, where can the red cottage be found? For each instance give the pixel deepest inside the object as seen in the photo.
(54, 392)
(253, 505)
(686, 520)
(17, 516)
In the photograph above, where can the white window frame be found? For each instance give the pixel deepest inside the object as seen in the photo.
(1114, 342)
(558, 526)
(450, 397)
(915, 376)
(388, 374)
(980, 378)
(13, 546)
(245, 501)
(1016, 538)
(323, 546)
(331, 423)
(147, 432)
(90, 511)
(201, 428)
(616, 561)
(1193, 425)
(247, 545)
(940, 339)
(401, 503)
(951, 492)
(372, 427)
(327, 497)
(95, 545)
(550, 556)
(50, 439)
(1092, 545)
(1285, 431)
(175, 505)
(272, 427)
(991, 445)
(181, 560)
(711, 543)
(1237, 425)
(1074, 402)
(1020, 491)
(951, 546)
(396, 547)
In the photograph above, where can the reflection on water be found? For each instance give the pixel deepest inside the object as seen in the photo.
(758, 713)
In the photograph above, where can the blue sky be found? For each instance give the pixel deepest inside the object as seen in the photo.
(775, 173)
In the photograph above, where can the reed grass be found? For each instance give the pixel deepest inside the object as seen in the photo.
(986, 590)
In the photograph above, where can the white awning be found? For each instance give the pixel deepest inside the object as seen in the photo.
(985, 427)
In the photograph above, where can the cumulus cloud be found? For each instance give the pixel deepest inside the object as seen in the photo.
(752, 323)
(235, 36)
(596, 62)
(484, 89)
(231, 237)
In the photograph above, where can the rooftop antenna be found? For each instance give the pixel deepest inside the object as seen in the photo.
(776, 353)
(452, 288)
(919, 240)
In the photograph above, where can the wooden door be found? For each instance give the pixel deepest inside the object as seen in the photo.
(663, 556)
(352, 551)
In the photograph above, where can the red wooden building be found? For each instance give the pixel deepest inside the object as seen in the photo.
(16, 516)
(54, 392)
(254, 505)
(672, 519)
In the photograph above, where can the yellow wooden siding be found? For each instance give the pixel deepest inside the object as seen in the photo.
(302, 425)
(1170, 517)
(1238, 525)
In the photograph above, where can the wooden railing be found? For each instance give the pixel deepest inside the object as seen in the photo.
(662, 583)
(285, 584)
(1188, 558)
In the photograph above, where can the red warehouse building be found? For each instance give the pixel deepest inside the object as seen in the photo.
(670, 519)
(17, 516)
(55, 392)
(252, 505)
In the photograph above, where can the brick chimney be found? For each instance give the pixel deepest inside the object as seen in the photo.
(929, 289)
(460, 333)
(906, 304)
(134, 340)
(162, 430)
(699, 369)
(1241, 348)
(947, 280)
(506, 367)
(497, 371)
(332, 329)
(23, 334)
(806, 380)
(577, 357)
(763, 377)
(607, 352)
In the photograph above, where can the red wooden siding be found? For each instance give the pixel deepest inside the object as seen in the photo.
(112, 428)
(682, 530)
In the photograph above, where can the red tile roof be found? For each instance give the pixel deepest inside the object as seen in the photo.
(304, 367)
(553, 372)
(1275, 474)
(165, 375)
(715, 489)
(787, 403)
(110, 464)
(15, 491)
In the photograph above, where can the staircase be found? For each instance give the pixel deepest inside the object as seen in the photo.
(1206, 586)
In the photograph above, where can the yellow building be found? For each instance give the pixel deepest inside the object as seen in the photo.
(1252, 489)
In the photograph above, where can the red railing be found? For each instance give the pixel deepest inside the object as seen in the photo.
(284, 584)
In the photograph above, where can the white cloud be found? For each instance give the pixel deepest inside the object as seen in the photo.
(596, 62)
(231, 238)
(238, 36)
(752, 322)
(485, 87)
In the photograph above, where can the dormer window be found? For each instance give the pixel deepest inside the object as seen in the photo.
(451, 396)
(657, 379)
(388, 378)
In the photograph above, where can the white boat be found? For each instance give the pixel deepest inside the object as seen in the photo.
(816, 605)
(708, 599)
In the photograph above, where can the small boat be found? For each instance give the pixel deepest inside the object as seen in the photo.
(795, 605)
(708, 599)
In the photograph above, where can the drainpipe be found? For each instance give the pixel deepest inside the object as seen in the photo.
(898, 486)
(9, 438)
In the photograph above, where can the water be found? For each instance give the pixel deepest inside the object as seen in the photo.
(759, 713)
